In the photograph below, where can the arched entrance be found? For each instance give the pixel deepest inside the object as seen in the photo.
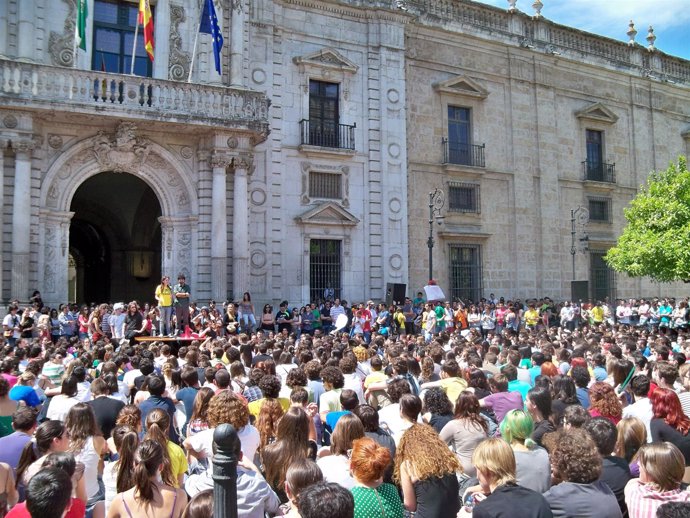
(115, 238)
(133, 208)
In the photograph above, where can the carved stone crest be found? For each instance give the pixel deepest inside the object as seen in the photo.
(122, 152)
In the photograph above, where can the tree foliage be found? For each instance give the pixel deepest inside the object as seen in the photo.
(656, 241)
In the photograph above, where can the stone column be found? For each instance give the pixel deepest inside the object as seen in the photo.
(167, 240)
(3, 146)
(219, 226)
(21, 219)
(240, 226)
(237, 43)
(54, 256)
(26, 40)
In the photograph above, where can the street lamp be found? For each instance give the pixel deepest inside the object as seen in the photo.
(436, 202)
(580, 215)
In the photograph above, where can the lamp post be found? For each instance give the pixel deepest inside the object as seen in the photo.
(580, 215)
(436, 202)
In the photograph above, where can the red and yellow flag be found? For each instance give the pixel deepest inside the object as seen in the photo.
(146, 20)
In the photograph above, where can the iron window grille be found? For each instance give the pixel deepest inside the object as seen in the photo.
(600, 209)
(325, 185)
(464, 197)
(325, 267)
(465, 272)
(602, 276)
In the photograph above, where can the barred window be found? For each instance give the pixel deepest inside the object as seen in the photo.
(601, 275)
(600, 209)
(463, 197)
(325, 185)
(465, 272)
(325, 268)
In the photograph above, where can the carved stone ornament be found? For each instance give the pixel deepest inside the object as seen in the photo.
(122, 152)
(245, 161)
(220, 160)
(61, 46)
(55, 141)
(26, 145)
(10, 121)
(179, 61)
(233, 142)
(237, 6)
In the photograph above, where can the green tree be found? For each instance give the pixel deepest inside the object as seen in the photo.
(656, 241)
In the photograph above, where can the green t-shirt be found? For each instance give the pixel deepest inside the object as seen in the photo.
(317, 319)
(374, 503)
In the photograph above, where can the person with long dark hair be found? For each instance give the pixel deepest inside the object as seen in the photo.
(564, 394)
(539, 407)
(118, 476)
(150, 497)
(466, 430)
(246, 313)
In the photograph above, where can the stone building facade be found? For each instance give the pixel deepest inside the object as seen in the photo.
(305, 168)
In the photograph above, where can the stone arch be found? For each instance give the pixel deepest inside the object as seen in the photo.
(122, 151)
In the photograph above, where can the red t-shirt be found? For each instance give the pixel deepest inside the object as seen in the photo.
(77, 510)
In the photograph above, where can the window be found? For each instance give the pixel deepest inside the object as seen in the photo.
(325, 185)
(600, 209)
(459, 135)
(595, 168)
(113, 38)
(602, 277)
(323, 114)
(465, 272)
(463, 197)
(324, 268)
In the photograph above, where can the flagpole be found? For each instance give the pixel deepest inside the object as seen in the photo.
(134, 49)
(76, 36)
(196, 39)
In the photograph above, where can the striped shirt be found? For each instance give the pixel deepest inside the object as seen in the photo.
(643, 500)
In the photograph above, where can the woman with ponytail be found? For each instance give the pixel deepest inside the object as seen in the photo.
(533, 466)
(175, 462)
(118, 476)
(151, 496)
(50, 437)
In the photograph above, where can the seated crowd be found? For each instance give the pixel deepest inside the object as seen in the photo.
(422, 413)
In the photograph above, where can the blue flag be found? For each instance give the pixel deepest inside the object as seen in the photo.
(209, 25)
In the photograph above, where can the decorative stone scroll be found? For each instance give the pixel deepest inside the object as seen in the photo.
(179, 61)
(61, 46)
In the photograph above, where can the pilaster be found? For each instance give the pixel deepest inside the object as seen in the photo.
(243, 164)
(53, 255)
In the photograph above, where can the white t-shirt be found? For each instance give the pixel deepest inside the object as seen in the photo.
(59, 407)
(336, 468)
(203, 442)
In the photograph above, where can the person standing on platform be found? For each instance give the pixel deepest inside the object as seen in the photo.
(182, 293)
(164, 296)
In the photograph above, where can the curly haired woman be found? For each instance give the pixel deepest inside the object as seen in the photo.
(603, 402)
(426, 469)
(575, 461)
(224, 407)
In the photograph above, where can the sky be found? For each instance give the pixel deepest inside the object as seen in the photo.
(670, 19)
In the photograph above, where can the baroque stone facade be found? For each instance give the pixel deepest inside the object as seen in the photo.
(317, 147)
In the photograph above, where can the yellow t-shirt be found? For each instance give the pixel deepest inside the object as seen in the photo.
(164, 295)
(374, 377)
(531, 317)
(255, 406)
(178, 461)
(453, 387)
(597, 313)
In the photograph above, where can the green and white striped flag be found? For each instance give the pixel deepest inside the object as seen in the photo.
(80, 27)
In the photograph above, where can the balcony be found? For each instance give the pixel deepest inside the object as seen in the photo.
(463, 154)
(323, 137)
(598, 171)
(35, 87)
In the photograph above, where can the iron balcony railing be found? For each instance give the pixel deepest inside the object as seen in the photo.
(324, 133)
(463, 154)
(599, 171)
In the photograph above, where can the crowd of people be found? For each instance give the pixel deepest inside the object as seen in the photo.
(432, 409)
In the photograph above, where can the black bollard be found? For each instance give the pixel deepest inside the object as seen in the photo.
(225, 460)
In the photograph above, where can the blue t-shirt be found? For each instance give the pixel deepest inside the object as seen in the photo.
(163, 403)
(187, 396)
(26, 394)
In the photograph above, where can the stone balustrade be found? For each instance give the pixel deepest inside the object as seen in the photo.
(30, 85)
(545, 35)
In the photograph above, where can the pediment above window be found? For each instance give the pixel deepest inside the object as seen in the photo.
(462, 86)
(597, 112)
(326, 59)
(328, 213)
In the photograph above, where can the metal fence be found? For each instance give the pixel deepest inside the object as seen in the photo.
(325, 133)
(325, 267)
(465, 272)
(463, 154)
